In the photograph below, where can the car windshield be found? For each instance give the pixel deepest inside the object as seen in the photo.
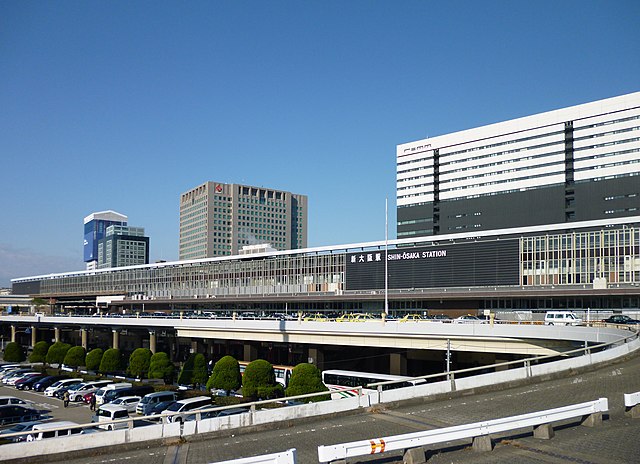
(174, 407)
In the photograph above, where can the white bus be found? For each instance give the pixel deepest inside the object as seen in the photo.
(336, 379)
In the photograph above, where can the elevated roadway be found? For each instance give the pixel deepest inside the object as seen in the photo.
(524, 339)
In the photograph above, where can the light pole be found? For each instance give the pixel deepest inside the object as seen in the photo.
(386, 261)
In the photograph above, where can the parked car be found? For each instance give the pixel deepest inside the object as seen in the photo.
(102, 392)
(621, 319)
(147, 402)
(46, 382)
(26, 383)
(110, 412)
(63, 383)
(12, 376)
(317, 317)
(412, 318)
(4, 400)
(469, 319)
(21, 427)
(158, 408)
(129, 402)
(43, 431)
(77, 392)
(13, 413)
(87, 397)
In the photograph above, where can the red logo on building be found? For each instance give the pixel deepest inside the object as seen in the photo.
(218, 188)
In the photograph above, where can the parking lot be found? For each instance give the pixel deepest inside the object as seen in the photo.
(76, 412)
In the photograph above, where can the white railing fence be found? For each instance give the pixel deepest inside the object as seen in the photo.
(286, 457)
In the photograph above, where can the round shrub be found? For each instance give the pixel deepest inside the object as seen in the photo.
(139, 362)
(75, 357)
(14, 352)
(92, 361)
(161, 367)
(225, 375)
(39, 353)
(110, 361)
(259, 381)
(306, 378)
(57, 352)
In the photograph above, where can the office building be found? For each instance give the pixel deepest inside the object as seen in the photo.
(575, 164)
(95, 227)
(123, 246)
(218, 219)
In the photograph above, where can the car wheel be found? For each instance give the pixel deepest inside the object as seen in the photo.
(110, 428)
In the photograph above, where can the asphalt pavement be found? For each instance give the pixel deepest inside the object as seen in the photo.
(617, 440)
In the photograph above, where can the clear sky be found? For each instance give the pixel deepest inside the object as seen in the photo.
(124, 105)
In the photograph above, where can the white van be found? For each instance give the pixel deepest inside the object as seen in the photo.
(88, 387)
(561, 318)
(111, 412)
(51, 391)
(42, 431)
(190, 404)
(149, 401)
(112, 386)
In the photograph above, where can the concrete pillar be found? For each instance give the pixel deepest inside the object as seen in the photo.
(593, 420)
(34, 335)
(250, 352)
(56, 334)
(83, 335)
(316, 357)
(633, 411)
(543, 432)
(414, 455)
(482, 443)
(194, 346)
(398, 363)
(116, 339)
(152, 341)
(13, 333)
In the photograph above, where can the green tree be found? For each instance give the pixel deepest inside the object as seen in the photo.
(110, 361)
(92, 361)
(139, 362)
(259, 381)
(186, 373)
(39, 353)
(306, 378)
(200, 374)
(57, 352)
(225, 375)
(75, 357)
(161, 367)
(13, 352)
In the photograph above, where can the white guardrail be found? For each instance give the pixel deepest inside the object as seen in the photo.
(632, 405)
(287, 457)
(478, 429)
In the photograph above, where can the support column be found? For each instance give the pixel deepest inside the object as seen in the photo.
(83, 335)
(398, 363)
(116, 339)
(34, 335)
(56, 334)
(152, 341)
(250, 352)
(316, 357)
(194, 346)
(13, 333)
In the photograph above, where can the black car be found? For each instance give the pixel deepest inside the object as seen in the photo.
(158, 408)
(27, 384)
(43, 384)
(13, 413)
(621, 319)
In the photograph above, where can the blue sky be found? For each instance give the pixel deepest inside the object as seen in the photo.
(125, 105)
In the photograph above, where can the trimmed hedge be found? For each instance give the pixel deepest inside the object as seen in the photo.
(14, 352)
(225, 375)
